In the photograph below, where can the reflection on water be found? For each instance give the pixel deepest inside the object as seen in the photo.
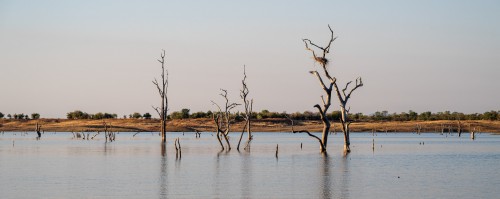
(163, 172)
(379, 166)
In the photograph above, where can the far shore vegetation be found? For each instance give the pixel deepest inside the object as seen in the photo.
(266, 114)
(265, 121)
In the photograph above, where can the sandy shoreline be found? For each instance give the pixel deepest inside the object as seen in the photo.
(266, 125)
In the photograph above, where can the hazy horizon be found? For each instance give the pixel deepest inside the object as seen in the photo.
(60, 56)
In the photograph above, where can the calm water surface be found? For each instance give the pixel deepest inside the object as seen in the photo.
(401, 165)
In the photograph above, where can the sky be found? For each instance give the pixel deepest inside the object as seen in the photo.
(58, 56)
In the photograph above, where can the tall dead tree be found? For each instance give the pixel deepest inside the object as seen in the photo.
(162, 91)
(327, 88)
(248, 110)
(222, 119)
(342, 95)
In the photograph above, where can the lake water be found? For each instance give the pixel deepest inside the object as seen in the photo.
(401, 165)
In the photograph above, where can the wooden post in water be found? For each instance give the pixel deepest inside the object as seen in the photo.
(276, 151)
(459, 129)
(373, 144)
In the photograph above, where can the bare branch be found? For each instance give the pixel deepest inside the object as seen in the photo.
(322, 84)
(359, 83)
(321, 111)
(213, 103)
(157, 110)
(327, 49)
(308, 133)
(323, 99)
(346, 85)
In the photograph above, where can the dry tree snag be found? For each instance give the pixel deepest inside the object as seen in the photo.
(345, 121)
(248, 110)
(38, 129)
(222, 119)
(178, 151)
(327, 88)
(459, 129)
(162, 91)
(342, 95)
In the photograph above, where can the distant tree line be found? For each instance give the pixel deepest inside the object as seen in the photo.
(264, 114)
(137, 115)
(21, 116)
(336, 115)
(83, 115)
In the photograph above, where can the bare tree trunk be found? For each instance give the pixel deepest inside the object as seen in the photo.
(217, 129)
(226, 137)
(345, 128)
(162, 91)
(241, 136)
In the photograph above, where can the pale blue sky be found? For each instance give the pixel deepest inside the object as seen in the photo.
(100, 56)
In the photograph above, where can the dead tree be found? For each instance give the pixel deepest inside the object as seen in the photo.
(222, 120)
(248, 111)
(327, 88)
(178, 151)
(105, 126)
(342, 95)
(38, 129)
(162, 91)
(344, 120)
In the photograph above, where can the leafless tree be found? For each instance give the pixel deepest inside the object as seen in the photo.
(342, 95)
(248, 111)
(222, 119)
(343, 99)
(327, 88)
(162, 91)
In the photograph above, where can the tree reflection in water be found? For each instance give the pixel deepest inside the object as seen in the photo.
(163, 171)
